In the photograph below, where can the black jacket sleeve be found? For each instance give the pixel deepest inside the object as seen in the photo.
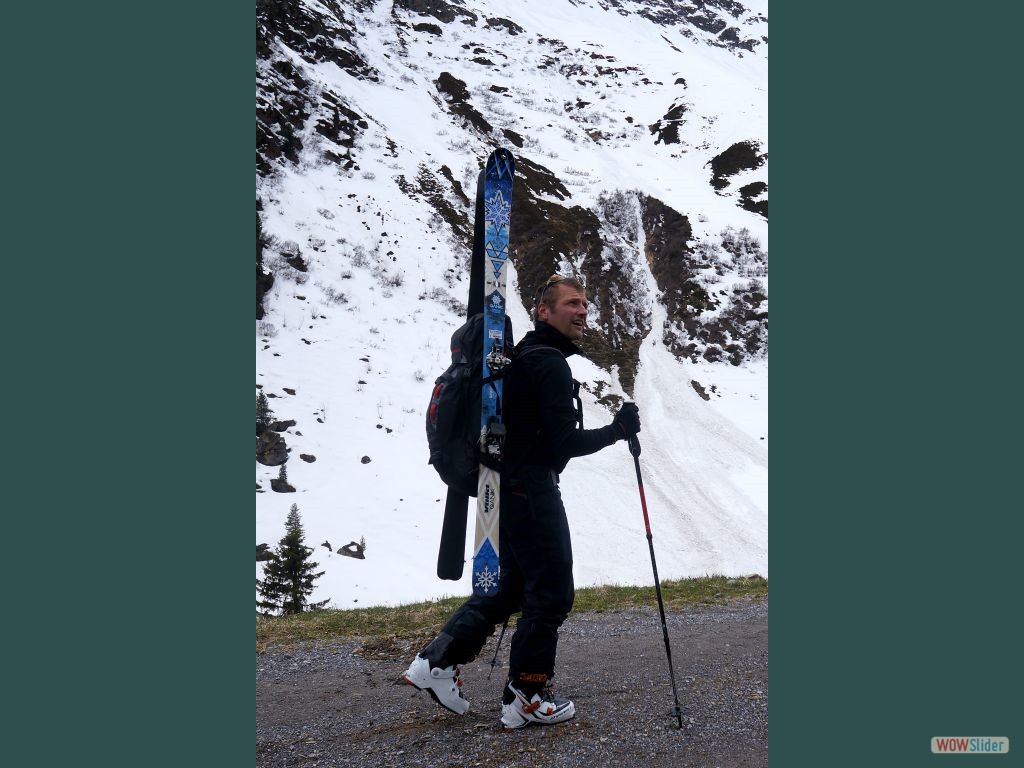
(558, 415)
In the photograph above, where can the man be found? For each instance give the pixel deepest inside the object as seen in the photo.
(544, 423)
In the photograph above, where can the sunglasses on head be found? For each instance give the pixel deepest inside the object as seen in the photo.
(553, 280)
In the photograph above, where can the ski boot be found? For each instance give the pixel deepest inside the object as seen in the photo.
(519, 707)
(442, 682)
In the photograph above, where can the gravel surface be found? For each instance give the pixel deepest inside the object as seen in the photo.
(332, 705)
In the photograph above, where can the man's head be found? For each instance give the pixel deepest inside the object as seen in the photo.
(562, 304)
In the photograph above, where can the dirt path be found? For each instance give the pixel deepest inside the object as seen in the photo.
(330, 706)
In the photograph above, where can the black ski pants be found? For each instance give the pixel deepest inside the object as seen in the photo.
(535, 556)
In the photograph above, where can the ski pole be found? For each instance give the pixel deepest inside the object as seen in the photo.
(634, 448)
(494, 661)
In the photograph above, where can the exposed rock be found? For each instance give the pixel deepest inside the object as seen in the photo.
(456, 95)
(738, 330)
(741, 156)
(271, 449)
(439, 9)
(667, 129)
(544, 234)
(667, 235)
(749, 195)
(512, 136)
(353, 549)
(308, 458)
(456, 184)
(427, 187)
(281, 426)
(264, 281)
(314, 35)
(281, 486)
(297, 262)
(509, 26)
(365, 460)
(283, 106)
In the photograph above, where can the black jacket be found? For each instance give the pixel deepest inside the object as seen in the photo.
(540, 413)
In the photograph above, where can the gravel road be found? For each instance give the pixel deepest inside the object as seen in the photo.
(333, 704)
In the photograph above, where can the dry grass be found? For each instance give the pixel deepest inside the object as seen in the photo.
(387, 631)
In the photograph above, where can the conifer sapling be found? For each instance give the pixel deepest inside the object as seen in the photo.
(264, 416)
(289, 575)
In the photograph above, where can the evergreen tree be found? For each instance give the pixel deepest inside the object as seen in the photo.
(264, 416)
(289, 576)
(272, 587)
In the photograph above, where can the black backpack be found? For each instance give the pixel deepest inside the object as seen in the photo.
(453, 416)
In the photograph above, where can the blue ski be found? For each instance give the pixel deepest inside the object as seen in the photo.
(499, 171)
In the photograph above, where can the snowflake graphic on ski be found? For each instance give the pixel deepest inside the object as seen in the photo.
(498, 210)
(487, 579)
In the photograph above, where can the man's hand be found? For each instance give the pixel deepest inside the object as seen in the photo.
(627, 420)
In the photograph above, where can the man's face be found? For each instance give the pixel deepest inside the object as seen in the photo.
(569, 315)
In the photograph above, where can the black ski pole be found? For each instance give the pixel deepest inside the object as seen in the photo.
(494, 661)
(634, 448)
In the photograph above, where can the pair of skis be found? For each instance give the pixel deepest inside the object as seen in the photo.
(487, 295)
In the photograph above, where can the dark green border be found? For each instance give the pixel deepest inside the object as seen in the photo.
(895, 507)
(894, 519)
(128, 268)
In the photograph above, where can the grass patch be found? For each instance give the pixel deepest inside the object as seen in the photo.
(393, 631)
(715, 590)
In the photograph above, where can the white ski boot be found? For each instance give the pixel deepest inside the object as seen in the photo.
(443, 684)
(543, 708)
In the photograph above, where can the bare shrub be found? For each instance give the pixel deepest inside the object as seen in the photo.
(360, 257)
(334, 296)
(393, 281)
(445, 299)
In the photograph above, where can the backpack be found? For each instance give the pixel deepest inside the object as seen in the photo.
(453, 416)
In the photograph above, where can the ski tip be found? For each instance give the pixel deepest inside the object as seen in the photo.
(501, 161)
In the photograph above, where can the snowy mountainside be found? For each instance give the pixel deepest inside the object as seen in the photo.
(640, 133)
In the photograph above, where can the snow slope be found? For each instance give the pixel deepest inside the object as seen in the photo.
(362, 334)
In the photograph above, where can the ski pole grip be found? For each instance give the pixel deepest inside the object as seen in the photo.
(634, 445)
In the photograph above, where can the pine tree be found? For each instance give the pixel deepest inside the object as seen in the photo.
(289, 576)
(264, 416)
